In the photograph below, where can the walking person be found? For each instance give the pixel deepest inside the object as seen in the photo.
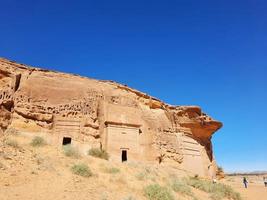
(245, 182)
(265, 181)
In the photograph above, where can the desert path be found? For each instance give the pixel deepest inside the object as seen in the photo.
(255, 191)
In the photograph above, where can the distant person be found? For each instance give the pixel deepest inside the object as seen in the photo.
(265, 181)
(214, 181)
(245, 182)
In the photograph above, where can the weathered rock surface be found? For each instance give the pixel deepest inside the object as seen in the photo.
(105, 114)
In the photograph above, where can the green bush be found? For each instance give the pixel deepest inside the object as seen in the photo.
(81, 170)
(218, 191)
(95, 152)
(11, 142)
(38, 141)
(70, 151)
(181, 187)
(157, 192)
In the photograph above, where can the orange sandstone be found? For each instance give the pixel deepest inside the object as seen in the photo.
(128, 124)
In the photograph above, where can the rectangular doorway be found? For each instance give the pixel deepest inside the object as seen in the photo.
(124, 156)
(66, 140)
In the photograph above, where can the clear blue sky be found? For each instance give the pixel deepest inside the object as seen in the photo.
(207, 53)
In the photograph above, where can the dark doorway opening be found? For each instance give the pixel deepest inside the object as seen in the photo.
(66, 140)
(124, 156)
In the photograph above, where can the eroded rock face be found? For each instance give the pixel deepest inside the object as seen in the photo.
(127, 123)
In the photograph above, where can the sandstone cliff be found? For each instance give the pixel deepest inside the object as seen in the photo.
(105, 114)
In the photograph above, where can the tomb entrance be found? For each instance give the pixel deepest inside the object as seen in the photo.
(124, 155)
(66, 141)
(66, 129)
(122, 141)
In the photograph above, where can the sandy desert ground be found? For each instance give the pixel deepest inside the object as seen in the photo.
(43, 173)
(255, 190)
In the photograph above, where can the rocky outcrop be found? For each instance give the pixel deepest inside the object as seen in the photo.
(105, 114)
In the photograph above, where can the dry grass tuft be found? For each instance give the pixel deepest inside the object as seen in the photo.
(157, 192)
(146, 174)
(38, 141)
(112, 170)
(81, 170)
(98, 153)
(12, 142)
(181, 187)
(71, 151)
(218, 191)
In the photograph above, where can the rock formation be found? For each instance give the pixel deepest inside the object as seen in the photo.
(130, 125)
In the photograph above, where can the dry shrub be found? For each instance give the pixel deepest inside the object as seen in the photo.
(146, 174)
(38, 141)
(218, 191)
(12, 142)
(81, 170)
(181, 187)
(157, 192)
(112, 170)
(98, 153)
(71, 151)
